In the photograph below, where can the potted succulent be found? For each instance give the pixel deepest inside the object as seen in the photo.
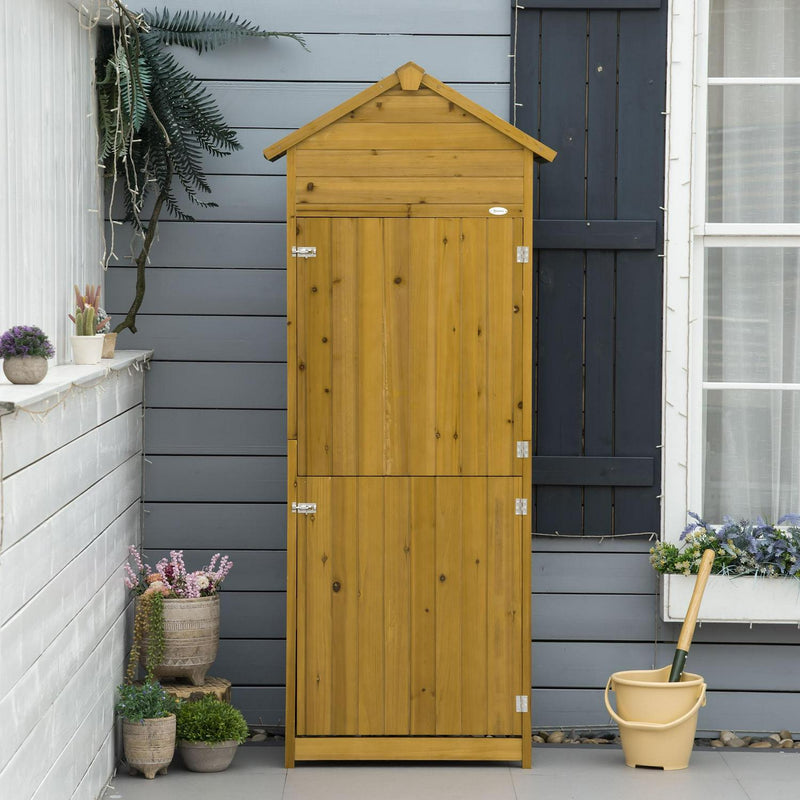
(148, 727)
(87, 343)
(176, 620)
(25, 350)
(209, 731)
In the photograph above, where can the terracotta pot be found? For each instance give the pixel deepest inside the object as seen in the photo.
(149, 745)
(109, 344)
(87, 349)
(25, 369)
(191, 638)
(207, 757)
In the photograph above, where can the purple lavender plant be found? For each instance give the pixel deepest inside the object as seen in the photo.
(25, 340)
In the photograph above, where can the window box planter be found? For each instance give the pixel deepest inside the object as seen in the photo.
(742, 599)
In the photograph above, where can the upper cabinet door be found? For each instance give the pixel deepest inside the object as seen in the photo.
(409, 346)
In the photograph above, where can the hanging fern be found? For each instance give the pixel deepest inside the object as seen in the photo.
(157, 120)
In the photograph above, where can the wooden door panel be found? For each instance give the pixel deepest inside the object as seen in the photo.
(410, 347)
(409, 607)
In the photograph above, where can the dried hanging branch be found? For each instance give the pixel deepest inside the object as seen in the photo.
(157, 120)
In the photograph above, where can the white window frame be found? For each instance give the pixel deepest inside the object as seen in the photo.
(687, 236)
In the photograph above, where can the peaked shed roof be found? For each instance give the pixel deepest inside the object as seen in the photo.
(410, 77)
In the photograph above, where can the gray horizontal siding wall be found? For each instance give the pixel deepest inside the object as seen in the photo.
(216, 392)
(215, 306)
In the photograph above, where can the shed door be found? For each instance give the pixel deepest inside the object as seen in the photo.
(409, 347)
(409, 404)
(409, 607)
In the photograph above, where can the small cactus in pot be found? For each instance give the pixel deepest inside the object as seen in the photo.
(86, 318)
(87, 342)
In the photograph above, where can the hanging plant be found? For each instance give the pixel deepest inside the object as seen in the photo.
(156, 119)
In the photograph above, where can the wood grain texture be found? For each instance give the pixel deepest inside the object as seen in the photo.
(408, 163)
(399, 382)
(333, 191)
(316, 624)
(371, 354)
(344, 608)
(421, 353)
(412, 749)
(423, 607)
(314, 284)
(396, 105)
(408, 135)
(447, 280)
(371, 614)
(397, 607)
(344, 346)
(449, 592)
(291, 607)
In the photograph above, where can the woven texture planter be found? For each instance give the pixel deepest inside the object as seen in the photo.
(205, 757)
(191, 638)
(149, 745)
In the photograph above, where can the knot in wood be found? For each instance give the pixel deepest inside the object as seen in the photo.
(336, 586)
(442, 578)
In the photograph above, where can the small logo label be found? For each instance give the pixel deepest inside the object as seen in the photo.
(498, 211)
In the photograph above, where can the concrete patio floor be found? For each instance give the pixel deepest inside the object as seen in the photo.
(564, 772)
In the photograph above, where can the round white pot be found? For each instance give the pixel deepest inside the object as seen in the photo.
(87, 349)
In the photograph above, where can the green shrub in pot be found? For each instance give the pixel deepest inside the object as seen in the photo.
(208, 733)
(148, 727)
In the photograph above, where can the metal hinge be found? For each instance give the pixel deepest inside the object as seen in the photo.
(522, 703)
(304, 252)
(304, 508)
(522, 449)
(523, 255)
(521, 507)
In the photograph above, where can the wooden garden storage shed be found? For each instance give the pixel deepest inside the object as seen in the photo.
(409, 415)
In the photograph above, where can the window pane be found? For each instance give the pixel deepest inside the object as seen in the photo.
(753, 154)
(754, 38)
(752, 454)
(752, 315)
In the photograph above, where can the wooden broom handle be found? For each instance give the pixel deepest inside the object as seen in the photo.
(687, 630)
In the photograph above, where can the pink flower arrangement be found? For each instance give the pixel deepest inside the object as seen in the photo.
(170, 578)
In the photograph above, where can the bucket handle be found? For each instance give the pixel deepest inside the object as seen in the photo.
(652, 726)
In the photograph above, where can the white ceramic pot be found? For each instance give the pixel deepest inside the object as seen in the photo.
(25, 369)
(87, 349)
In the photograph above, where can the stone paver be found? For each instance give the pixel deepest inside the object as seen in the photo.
(565, 772)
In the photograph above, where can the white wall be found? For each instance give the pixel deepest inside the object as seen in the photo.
(50, 238)
(70, 504)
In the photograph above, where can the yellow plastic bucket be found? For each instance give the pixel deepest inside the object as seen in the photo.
(657, 719)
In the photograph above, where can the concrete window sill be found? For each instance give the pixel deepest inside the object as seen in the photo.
(60, 378)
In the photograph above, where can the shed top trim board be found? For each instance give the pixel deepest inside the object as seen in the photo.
(410, 77)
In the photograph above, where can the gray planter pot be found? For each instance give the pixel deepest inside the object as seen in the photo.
(25, 369)
(206, 757)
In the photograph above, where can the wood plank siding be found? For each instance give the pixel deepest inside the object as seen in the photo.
(215, 314)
